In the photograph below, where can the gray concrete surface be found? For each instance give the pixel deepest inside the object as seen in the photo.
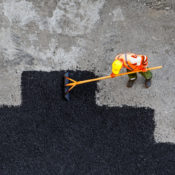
(87, 35)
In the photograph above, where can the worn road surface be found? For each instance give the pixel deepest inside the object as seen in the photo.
(86, 35)
(48, 135)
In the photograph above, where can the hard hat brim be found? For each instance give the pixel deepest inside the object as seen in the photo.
(116, 71)
(116, 66)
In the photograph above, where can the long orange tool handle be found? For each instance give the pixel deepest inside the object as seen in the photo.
(105, 77)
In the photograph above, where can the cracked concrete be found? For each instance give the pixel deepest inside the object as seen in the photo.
(87, 35)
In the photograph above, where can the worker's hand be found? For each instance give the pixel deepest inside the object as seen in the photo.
(144, 70)
(113, 75)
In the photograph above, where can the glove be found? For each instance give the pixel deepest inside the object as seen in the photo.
(144, 70)
(113, 75)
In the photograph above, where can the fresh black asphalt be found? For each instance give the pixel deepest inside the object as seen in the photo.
(47, 135)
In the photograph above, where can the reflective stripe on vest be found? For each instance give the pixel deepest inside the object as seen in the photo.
(126, 61)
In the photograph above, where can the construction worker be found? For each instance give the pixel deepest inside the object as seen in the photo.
(132, 62)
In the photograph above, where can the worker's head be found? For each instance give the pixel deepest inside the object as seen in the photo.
(116, 66)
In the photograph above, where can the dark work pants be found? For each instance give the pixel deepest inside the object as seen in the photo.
(147, 75)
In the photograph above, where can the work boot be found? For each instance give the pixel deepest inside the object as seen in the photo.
(130, 83)
(148, 83)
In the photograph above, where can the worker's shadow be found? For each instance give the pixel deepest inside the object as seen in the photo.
(48, 135)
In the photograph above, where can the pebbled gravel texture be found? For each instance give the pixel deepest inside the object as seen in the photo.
(50, 136)
(56, 35)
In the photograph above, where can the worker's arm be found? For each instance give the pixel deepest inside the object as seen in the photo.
(145, 64)
(113, 75)
(144, 68)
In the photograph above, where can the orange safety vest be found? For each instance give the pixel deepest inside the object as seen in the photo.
(132, 61)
